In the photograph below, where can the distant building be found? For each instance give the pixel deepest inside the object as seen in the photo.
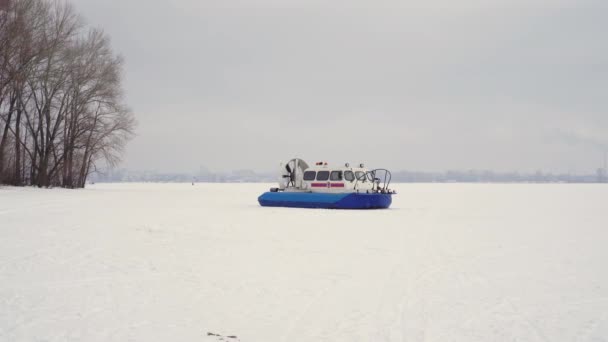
(601, 175)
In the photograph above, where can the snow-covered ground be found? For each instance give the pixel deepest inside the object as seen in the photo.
(176, 262)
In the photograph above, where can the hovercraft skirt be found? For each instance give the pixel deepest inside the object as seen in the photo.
(325, 200)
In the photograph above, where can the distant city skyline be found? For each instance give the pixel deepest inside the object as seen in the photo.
(507, 85)
(398, 176)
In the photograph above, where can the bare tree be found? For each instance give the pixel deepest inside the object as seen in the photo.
(98, 124)
(19, 23)
(61, 101)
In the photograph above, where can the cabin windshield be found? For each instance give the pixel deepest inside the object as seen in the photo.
(336, 176)
(360, 175)
(309, 175)
(322, 175)
(349, 176)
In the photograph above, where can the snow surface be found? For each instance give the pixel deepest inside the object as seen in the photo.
(176, 262)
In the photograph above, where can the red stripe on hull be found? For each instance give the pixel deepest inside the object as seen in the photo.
(337, 185)
(319, 185)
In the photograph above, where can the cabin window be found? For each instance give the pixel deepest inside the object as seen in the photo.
(336, 176)
(360, 175)
(349, 176)
(309, 175)
(322, 175)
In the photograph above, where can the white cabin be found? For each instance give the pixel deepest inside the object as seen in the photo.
(297, 176)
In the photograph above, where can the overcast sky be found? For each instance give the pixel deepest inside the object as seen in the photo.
(417, 85)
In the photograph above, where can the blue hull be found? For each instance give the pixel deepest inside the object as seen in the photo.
(325, 201)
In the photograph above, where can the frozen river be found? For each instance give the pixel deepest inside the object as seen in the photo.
(176, 262)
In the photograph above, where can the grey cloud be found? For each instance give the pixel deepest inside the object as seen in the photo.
(407, 84)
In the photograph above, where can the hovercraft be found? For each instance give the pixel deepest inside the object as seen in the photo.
(322, 186)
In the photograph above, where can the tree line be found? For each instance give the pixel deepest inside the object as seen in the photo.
(62, 110)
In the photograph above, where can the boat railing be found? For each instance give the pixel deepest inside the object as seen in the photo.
(381, 179)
